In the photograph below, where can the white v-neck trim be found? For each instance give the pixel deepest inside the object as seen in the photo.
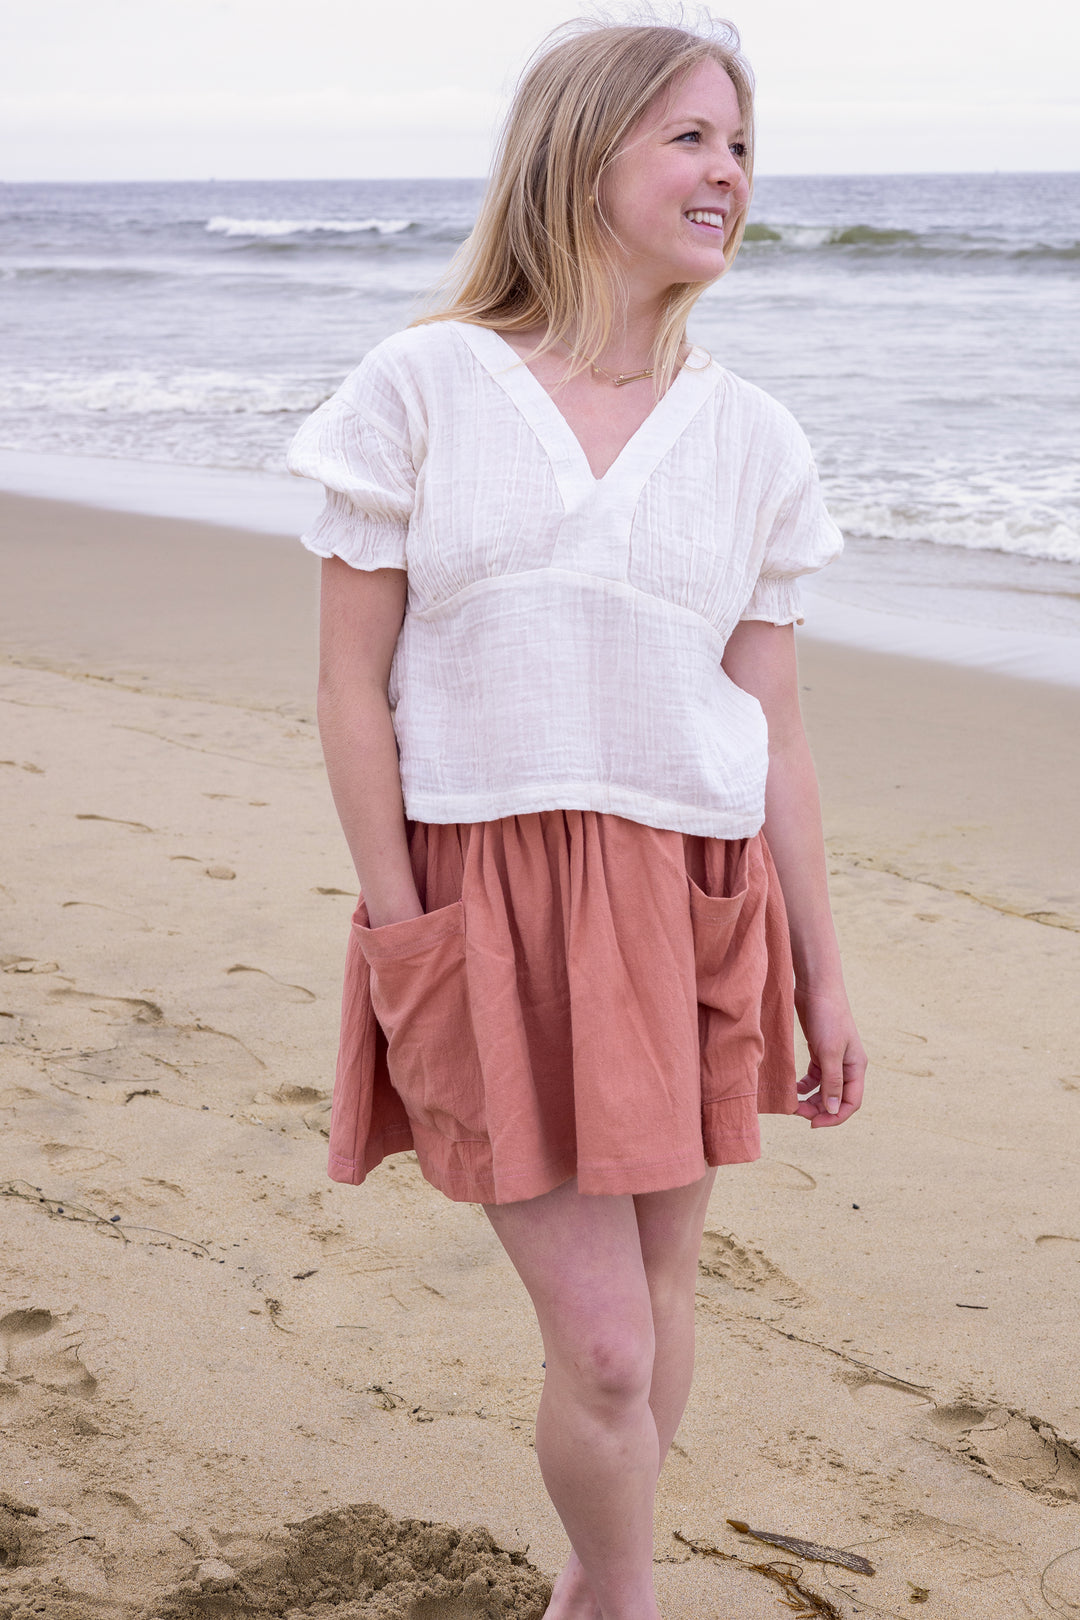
(639, 456)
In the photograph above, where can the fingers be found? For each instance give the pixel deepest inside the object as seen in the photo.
(832, 1089)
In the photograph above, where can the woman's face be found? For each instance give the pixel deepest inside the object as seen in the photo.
(676, 186)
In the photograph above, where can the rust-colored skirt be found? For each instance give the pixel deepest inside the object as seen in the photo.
(584, 996)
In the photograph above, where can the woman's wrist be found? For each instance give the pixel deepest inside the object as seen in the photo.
(817, 969)
(384, 907)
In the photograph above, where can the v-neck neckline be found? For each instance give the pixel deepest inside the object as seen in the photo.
(641, 453)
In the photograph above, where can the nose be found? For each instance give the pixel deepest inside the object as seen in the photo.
(728, 172)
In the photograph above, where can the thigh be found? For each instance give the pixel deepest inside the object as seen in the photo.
(580, 1258)
(670, 1225)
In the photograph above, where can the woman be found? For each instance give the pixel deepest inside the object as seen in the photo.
(558, 703)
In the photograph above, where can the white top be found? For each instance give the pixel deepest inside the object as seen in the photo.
(563, 634)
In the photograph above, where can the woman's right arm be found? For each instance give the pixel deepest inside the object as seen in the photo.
(360, 620)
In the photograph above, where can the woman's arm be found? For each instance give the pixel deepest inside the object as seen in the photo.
(360, 620)
(760, 658)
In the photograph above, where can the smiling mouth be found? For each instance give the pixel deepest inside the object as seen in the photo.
(705, 216)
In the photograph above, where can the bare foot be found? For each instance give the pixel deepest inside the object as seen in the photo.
(572, 1598)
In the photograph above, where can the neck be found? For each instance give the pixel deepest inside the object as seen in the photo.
(631, 341)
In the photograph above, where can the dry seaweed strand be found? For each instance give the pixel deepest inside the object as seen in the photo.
(68, 1211)
(803, 1603)
(807, 1549)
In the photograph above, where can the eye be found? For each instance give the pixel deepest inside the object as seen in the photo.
(738, 150)
(691, 135)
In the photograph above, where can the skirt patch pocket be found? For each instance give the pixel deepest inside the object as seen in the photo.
(727, 914)
(420, 996)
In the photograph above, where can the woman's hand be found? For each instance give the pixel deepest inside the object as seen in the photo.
(832, 1087)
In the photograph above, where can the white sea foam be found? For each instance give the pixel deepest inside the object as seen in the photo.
(1026, 533)
(1032, 513)
(132, 393)
(224, 225)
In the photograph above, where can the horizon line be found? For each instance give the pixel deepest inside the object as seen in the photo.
(316, 179)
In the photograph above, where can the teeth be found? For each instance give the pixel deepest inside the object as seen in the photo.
(704, 216)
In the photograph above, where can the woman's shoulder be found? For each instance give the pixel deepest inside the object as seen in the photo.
(406, 366)
(748, 415)
(419, 348)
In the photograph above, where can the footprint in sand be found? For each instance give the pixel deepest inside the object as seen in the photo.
(781, 1177)
(293, 992)
(1011, 1447)
(114, 911)
(741, 1266)
(1015, 1449)
(147, 1053)
(957, 1418)
(65, 1157)
(1061, 1581)
(117, 821)
(314, 1103)
(37, 1348)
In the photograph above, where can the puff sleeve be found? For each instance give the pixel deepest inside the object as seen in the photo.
(370, 486)
(802, 538)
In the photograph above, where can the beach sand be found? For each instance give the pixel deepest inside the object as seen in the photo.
(211, 1357)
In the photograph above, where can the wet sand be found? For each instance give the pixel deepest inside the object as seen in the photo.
(886, 1313)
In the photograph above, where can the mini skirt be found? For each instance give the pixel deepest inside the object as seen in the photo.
(583, 996)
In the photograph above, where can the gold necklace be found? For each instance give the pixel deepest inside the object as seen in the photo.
(623, 377)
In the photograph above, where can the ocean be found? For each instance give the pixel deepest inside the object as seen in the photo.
(925, 330)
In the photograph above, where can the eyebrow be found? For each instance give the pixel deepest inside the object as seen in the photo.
(694, 118)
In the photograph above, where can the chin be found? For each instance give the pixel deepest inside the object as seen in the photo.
(701, 269)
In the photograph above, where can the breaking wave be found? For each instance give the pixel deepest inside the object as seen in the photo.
(134, 393)
(872, 241)
(225, 225)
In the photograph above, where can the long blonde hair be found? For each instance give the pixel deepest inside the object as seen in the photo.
(539, 252)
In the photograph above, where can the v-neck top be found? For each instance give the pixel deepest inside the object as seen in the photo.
(563, 634)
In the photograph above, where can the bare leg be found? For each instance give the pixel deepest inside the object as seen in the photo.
(612, 1281)
(670, 1226)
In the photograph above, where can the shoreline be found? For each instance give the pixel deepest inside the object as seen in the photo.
(981, 610)
(207, 1342)
(195, 611)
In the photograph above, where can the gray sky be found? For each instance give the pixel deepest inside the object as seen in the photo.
(179, 89)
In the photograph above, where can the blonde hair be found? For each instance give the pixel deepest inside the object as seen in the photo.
(539, 253)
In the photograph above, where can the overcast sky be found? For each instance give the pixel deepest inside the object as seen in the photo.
(189, 89)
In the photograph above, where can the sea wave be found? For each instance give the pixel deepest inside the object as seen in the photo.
(225, 225)
(180, 393)
(1027, 532)
(873, 241)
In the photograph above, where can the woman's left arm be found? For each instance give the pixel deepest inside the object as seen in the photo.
(760, 658)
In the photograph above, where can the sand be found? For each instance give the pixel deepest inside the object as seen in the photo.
(229, 1387)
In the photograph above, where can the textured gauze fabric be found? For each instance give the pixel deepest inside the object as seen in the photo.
(563, 636)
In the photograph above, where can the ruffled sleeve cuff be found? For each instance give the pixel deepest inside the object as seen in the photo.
(776, 599)
(802, 538)
(343, 530)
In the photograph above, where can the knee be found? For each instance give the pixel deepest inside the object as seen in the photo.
(612, 1364)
